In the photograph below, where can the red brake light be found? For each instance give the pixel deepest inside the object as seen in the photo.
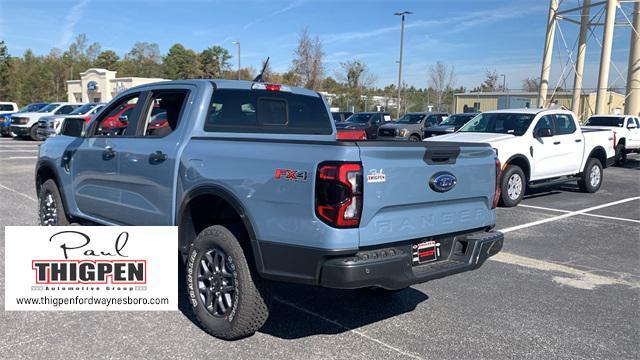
(351, 135)
(339, 194)
(497, 193)
(272, 87)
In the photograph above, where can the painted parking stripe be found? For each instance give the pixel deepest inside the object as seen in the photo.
(585, 214)
(573, 277)
(18, 157)
(17, 192)
(569, 214)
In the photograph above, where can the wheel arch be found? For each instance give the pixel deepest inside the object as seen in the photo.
(230, 211)
(46, 171)
(522, 162)
(598, 153)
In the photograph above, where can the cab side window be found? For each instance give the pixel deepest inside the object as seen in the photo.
(114, 121)
(565, 124)
(164, 112)
(66, 109)
(546, 122)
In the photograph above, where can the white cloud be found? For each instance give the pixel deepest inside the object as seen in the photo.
(70, 20)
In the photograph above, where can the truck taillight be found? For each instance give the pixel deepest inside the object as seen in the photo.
(339, 194)
(496, 195)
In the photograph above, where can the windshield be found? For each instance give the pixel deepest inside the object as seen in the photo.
(457, 120)
(499, 123)
(32, 108)
(48, 108)
(617, 121)
(411, 118)
(359, 118)
(82, 109)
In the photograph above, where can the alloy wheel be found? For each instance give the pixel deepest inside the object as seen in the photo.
(514, 186)
(216, 284)
(595, 175)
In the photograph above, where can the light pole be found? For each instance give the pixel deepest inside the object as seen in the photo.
(237, 43)
(402, 15)
(504, 82)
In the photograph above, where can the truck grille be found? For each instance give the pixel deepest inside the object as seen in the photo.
(19, 120)
(387, 132)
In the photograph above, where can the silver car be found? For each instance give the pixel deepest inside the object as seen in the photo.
(410, 126)
(52, 124)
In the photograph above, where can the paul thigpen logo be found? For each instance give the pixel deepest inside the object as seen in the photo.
(116, 269)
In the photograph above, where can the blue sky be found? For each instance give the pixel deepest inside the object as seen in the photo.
(472, 35)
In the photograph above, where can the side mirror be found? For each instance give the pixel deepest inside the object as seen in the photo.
(544, 132)
(632, 126)
(72, 127)
(123, 119)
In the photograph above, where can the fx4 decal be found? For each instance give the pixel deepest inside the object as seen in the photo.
(291, 175)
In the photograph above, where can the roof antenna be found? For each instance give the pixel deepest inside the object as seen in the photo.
(264, 67)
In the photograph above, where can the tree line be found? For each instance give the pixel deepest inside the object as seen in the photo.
(30, 77)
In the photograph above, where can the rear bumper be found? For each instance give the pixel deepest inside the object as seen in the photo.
(388, 266)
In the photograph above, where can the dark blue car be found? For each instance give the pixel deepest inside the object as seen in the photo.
(5, 119)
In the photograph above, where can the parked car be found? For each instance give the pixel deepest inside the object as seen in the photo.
(410, 126)
(51, 125)
(260, 189)
(539, 147)
(625, 127)
(5, 119)
(340, 116)
(25, 125)
(449, 125)
(367, 121)
(8, 107)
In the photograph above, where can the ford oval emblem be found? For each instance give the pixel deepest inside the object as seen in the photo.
(442, 182)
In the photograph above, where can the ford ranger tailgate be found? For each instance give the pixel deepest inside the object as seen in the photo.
(418, 190)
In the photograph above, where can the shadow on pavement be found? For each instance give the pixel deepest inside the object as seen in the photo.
(299, 310)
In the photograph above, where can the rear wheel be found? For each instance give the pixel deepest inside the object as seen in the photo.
(51, 209)
(229, 300)
(513, 185)
(591, 178)
(414, 138)
(621, 154)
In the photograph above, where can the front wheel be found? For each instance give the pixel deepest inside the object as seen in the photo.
(591, 178)
(513, 185)
(229, 300)
(33, 133)
(414, 138)
(51, 209)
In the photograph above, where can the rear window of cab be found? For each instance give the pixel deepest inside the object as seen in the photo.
(262, 111)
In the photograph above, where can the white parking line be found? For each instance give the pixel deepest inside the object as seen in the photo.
(359, 333)
(18, 157)
(577, 278)
(569, 214)
(17, 192)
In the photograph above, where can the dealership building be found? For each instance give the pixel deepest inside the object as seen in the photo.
(101, 85)
(487, 101)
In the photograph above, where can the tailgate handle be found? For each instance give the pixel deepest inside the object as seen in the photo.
(441, 156)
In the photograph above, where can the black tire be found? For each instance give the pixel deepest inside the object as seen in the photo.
(5, 134)
(243, 294)
(33, 133)
(511, 194)
(621, 154)
(414, 138)
(592, 176)
(50, 206)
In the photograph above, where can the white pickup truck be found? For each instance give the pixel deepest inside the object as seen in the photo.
(539, 147)
(626, 129)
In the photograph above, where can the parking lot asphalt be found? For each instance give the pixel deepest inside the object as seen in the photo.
(566, 285)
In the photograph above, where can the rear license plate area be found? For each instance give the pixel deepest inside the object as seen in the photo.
(425, 252)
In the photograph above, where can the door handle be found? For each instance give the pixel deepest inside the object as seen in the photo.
(157, 157)
(578, 140)
(108, 153)
(556, 143)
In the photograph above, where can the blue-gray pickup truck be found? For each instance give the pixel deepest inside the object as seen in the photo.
(261, 190)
